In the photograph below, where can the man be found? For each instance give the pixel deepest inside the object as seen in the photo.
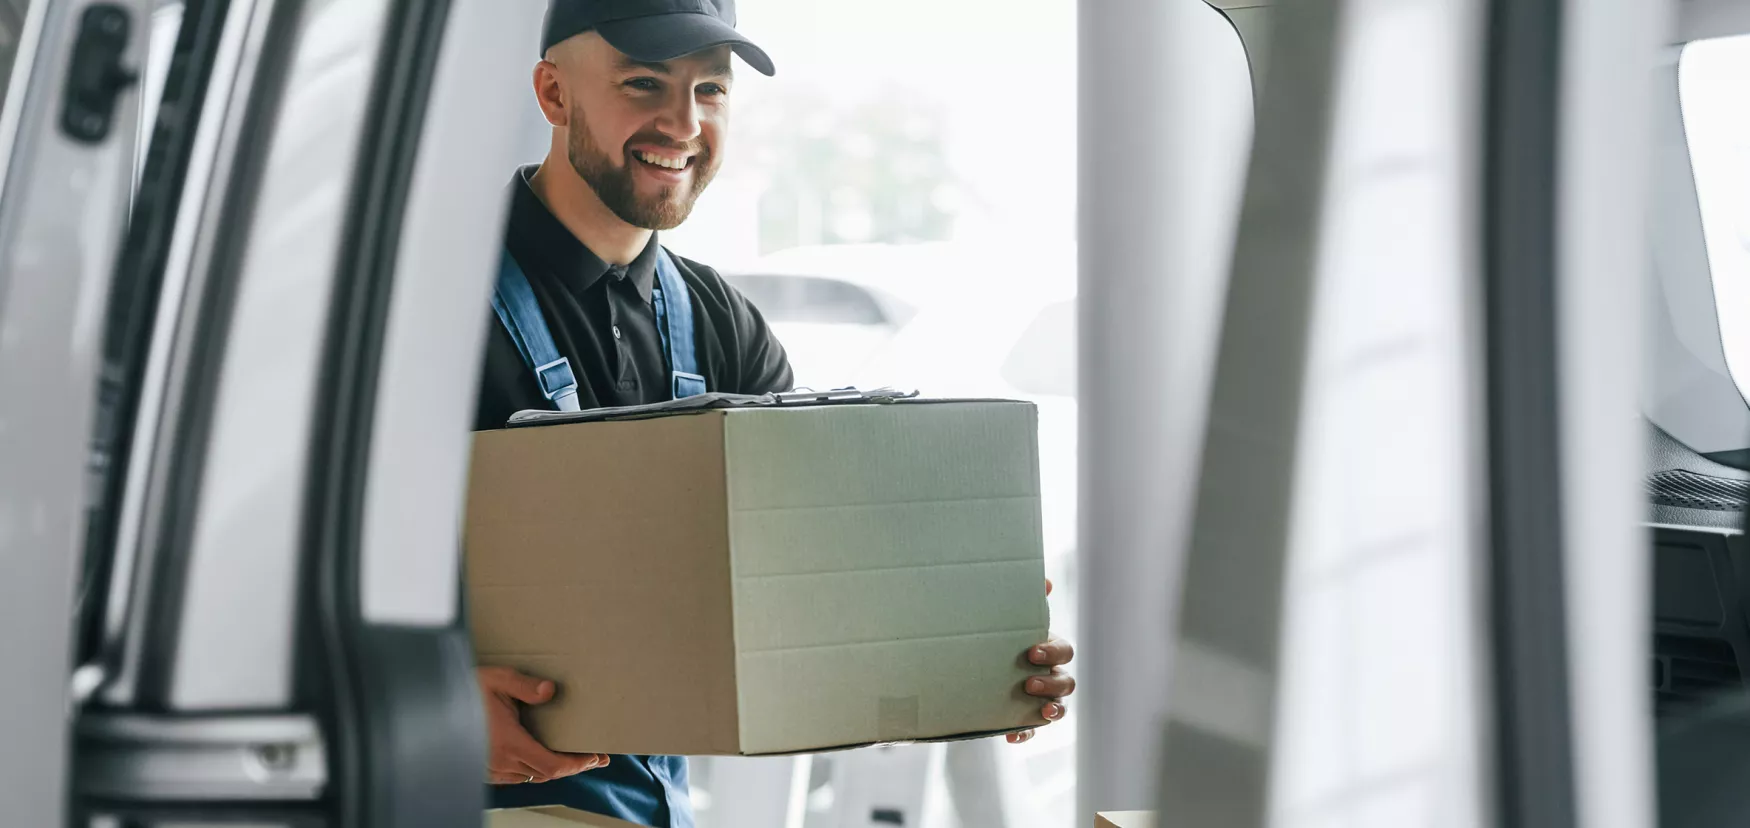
(591, 311)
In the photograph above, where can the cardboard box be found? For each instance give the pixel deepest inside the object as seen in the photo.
(1125, 819)
(759, 581)
(555, 817)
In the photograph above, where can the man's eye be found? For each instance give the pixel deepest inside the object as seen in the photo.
(644, 84)
(712, 90)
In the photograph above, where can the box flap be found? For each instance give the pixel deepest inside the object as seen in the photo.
(719, 401)
(1125, 819)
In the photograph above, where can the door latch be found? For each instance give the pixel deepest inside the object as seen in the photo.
(97, 77)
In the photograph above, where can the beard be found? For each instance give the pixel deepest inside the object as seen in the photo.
(614, 185)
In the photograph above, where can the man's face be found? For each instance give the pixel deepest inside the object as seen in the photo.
(646, 136)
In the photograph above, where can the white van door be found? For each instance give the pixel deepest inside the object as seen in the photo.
(252, 423)
(67, 136)
(1414, 591)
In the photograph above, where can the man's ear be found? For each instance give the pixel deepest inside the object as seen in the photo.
(550, 93)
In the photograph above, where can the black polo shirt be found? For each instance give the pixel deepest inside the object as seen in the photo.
(602, 320)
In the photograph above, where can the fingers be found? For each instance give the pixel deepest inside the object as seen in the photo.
(511, 772)
(1054, 653)
(1055, 686)
(517, 751)
(582, 762)
(525, 758)
(1023, 737)
(524, 688)
(516, 756)
(550, 765)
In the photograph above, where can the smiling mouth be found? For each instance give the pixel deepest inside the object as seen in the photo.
(676, 164)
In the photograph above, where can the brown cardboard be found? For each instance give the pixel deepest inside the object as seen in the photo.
(1118, 819)
(556, 817)
(760, 581)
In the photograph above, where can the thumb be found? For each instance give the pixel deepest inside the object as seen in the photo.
(528, 689)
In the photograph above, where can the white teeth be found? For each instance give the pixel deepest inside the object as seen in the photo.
(674, 164)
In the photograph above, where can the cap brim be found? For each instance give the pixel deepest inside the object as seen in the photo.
(663, 37)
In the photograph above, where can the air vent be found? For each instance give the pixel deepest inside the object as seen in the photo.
(1689, 490)
(1688, 670)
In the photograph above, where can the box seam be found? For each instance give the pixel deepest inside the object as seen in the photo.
(797, 648)
(729, 512)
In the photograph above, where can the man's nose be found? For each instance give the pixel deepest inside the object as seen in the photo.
(679, 120)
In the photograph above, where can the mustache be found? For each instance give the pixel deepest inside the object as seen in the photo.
(696, 147)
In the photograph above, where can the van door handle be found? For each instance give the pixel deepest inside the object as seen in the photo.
(96, 77)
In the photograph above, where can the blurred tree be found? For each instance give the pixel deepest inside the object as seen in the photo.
(874, 171)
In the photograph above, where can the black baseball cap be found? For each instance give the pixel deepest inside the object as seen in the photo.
(653, 30)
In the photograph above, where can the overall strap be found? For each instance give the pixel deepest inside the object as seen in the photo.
(514, 302)
(674, 322)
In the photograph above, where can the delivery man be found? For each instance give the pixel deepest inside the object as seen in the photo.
(591, 311)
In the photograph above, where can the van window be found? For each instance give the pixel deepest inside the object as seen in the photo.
(1716, 124)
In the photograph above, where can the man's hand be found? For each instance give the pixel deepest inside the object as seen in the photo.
(1054, 654)
(516, 757)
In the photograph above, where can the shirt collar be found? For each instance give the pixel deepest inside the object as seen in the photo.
(537, 235)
